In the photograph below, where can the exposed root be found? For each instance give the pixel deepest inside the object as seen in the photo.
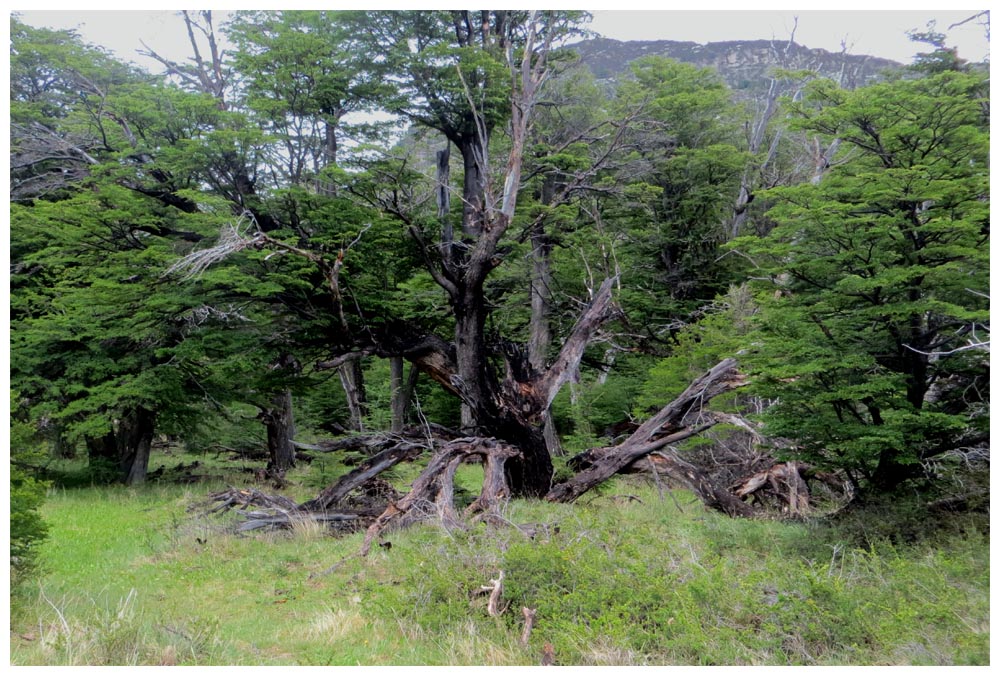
(435, 486)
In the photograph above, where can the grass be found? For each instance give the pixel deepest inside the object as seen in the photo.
(626, 577)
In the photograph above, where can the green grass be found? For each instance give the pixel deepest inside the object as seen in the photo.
(133, 577)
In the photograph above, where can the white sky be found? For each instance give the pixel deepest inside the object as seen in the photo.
(878, 32)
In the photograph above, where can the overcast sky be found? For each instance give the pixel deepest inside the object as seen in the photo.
(876, 32)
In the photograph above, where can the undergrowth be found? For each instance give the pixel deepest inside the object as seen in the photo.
(628, 576)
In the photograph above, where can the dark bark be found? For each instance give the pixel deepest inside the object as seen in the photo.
(401, 392)
(135, 440)
(529, 474)
(471, 356)
(280, 424)
(443, 195)
(473, 185)
(123, 453)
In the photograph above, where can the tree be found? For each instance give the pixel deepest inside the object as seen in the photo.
(27, 493)
(464, 75)
(99, 342)
(877, 272)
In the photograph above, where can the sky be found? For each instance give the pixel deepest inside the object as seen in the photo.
(878, 32)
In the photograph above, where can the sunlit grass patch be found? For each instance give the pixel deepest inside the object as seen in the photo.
(628, 577)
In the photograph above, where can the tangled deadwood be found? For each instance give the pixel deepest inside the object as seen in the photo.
(682, 418)
(362, 499)
(739, 484)
(432, 494)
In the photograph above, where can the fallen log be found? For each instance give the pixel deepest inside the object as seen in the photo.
(665, 428)
(366, 471)
(286, 521)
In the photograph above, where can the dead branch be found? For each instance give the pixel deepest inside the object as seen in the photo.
(600, 310)
(529, 623)
(365, 472)
(647, 438)
(245, 498)
(427, 487)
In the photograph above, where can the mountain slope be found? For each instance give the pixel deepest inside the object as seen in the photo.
(744, 64)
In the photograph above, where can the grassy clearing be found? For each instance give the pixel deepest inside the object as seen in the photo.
(626, 577)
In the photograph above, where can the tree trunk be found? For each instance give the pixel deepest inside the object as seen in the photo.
(401, 392)
(330, 146)
(471, 357)
(102, 456)
(443, 195)
(61, 448)
(280, 425)
(352, 380)
(473, 187)
(135, 440)
(540, 338)
(530, 474)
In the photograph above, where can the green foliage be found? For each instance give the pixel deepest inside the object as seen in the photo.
(879, 275)
(681, 186)
(588, 413)
(27, 493)
(699, 346)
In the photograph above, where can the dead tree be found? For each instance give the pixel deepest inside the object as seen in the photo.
(667, 427)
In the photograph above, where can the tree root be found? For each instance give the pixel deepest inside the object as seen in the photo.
(435, 486)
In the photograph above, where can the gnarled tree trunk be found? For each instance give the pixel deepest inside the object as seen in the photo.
(666, 427)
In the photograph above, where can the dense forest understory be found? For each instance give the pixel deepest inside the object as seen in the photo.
(424, 267)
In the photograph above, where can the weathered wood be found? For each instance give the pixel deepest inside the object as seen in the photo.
(565, 366)
(427, 487)
(495, 490)
(611, 461)
(244, 498)
(493, 608)
(669, 420)
(367, 470)
(445, 500)
(529, 623)
(783, 481)
(712, 496)
(352, 380)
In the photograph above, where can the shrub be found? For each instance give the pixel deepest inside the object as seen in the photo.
(27, 492)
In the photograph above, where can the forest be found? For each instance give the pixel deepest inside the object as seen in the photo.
(380, 275)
